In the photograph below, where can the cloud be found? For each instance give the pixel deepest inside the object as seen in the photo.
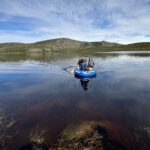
(89, 20)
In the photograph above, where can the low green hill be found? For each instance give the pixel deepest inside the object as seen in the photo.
(70, 45)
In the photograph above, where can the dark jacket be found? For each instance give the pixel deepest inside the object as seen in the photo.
(83, 66)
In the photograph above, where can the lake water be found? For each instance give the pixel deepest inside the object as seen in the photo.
(40, 97)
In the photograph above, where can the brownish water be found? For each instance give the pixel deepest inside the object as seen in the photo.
(39, 98)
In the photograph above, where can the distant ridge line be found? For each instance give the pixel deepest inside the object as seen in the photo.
(70, 44)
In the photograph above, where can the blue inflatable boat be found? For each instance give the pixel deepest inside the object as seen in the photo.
(80, 73)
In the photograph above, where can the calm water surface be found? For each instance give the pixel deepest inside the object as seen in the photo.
(39, 97)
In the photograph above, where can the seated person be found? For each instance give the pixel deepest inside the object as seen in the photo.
(91, 62)
(79, 62)
(82, 65)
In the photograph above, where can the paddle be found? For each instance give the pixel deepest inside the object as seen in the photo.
(72, 71)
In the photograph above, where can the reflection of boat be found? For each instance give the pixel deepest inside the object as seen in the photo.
(85, 78)
(85, 81)
(88, 73)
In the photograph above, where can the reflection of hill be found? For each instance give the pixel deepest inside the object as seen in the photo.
(53, 56)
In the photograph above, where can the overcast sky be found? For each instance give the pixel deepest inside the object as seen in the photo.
(122, 21)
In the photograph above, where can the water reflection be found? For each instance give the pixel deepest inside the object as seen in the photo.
(85, 81)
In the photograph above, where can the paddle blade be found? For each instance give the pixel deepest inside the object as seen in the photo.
(72, 71)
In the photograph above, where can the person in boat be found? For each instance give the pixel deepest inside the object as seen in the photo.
(82, 65)
(91, 62)
(79, 62)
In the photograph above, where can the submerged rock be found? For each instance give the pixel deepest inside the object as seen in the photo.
(86, 137)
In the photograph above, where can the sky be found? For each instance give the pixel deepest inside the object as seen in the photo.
(121, 21)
